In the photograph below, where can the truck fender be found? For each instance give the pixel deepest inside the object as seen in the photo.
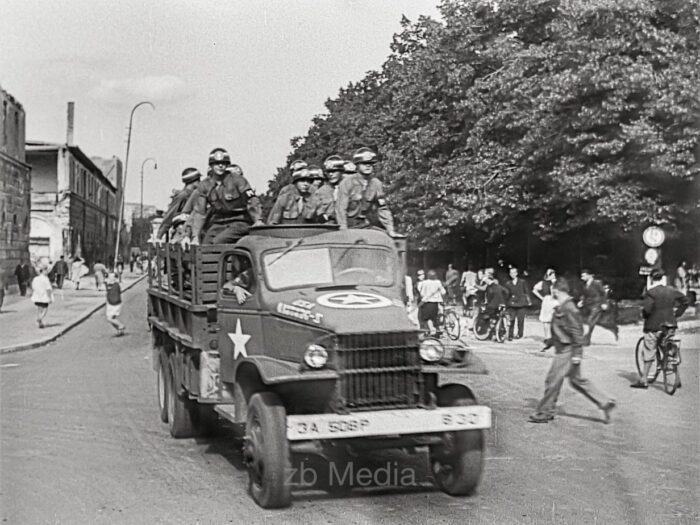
(447, 393)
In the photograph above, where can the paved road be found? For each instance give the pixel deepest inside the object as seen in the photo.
(81, 442)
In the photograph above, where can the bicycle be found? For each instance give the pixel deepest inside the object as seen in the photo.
(449, 320)
(667, 359)
(485, 326)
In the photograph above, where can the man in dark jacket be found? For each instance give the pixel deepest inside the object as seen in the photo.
(661, 306)
(567, 335)
(60, 270)
(23, 272)
(190, 178)
(592, 303)
(518, 301)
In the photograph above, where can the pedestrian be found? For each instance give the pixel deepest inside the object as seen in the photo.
(468, 286)
(78, 270)
(680, 281)
(431, 297)
(100, 271)
(23, 273)
(593, 304)
(567, 335)
(3, 285)
(132, 260)
(113, 308)
(518, 301)
(543, 291)
(661, 306)
(60, 270)
(42, 295)
(420, 276)
(120, 267)
(495, 298)
(452, 284)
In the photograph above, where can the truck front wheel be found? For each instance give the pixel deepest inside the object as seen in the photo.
(458, 461)
(266, 451)
(180, 409)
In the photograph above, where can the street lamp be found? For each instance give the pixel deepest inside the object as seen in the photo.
(126, 168)
(155, 167)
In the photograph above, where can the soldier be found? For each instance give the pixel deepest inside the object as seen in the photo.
(323, 199)
(293, 206)
(361, 202)
(317, 177)
(231, 203)
(190, 178)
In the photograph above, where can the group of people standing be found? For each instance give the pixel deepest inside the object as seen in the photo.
(221, 207)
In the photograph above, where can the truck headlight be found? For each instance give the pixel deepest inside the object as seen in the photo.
(431, 350)
(315, 356)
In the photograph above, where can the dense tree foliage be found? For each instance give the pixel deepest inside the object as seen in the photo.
(562, 114)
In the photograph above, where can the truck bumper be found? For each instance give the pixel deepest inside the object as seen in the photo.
(387, 422)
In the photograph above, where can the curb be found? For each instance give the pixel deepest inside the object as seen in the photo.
(87, 313)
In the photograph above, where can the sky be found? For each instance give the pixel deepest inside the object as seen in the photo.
(246, 75)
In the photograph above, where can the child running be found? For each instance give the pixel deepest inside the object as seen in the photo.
(113, 307)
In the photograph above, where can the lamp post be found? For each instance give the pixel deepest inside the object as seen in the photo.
(155, 167)
(126, 168)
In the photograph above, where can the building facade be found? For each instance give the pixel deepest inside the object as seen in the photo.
(15, 184)
(73, 205)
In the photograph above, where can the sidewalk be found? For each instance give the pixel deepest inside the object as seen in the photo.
(18, 328)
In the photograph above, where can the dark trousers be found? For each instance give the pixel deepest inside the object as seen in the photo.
(516, 313)
(561, 368)
(226, 233)
(22, 288)
(428, 312)
(59, 280)
(594, 317)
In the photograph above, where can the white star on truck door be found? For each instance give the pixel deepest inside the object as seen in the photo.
(239, 340)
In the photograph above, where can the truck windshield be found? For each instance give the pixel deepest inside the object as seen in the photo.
(341, 265)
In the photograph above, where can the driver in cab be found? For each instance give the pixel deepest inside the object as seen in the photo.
(242, 282)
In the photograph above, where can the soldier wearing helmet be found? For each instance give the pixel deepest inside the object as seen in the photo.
(323, 200)
(317, 177)
(361, 200)
(292, 205)
(190, 178)
(231, 203)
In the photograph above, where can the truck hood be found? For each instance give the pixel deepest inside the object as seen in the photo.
(346, 311)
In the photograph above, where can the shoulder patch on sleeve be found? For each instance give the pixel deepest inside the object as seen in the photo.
(381, 201)
(249, 193)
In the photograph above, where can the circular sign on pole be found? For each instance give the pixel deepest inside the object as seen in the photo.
(651, 256)
(653, 236)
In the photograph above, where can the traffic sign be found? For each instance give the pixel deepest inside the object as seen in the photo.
(653, 236)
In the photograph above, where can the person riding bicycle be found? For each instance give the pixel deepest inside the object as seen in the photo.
(661, 306)
(496, 298)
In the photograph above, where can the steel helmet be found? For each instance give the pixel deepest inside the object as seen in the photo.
(190, 175)
(364, 156)
(235, 169)
(301, 174)
(334, 163)
(315, 172)
(297, 165)
(218, 155)
(350, 167)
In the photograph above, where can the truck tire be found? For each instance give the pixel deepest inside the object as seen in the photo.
(458, 461)
(162, 384)
(181, 411)
(266, 451)
(207, 420)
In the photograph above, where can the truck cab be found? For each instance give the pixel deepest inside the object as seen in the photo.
(299, 336)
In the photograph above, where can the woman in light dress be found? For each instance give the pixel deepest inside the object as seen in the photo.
(42, 295)
(543, 291)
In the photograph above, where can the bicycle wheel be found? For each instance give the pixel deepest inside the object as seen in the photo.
(639, 358)
(452, 326)
(671, 377)
(481, 327)
(502, 329)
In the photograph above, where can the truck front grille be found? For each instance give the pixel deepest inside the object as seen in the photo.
(379, 370)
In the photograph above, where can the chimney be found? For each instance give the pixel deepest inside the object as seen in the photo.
(69, 131)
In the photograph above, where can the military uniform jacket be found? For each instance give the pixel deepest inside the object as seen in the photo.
(228, 199)
(291, 207)
(177, 205)
(360, 199)
(322, 205)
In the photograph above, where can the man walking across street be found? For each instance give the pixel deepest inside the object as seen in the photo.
(661, 306)
(60, 270)
(567, 335)
(592, 303)
(518, 301)
(24, 274)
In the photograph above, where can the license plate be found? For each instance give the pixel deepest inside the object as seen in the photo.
(387, 422)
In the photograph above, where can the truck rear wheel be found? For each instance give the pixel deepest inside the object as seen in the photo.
(162, 385)
(458, 461)
(266, 451)
(180, 409)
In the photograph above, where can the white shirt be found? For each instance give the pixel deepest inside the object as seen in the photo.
(431, 291)
(41, 289)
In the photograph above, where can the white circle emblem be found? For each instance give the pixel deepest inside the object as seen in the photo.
(653, 236)
(353, 300)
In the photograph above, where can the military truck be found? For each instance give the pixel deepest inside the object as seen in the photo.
(316, 355)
